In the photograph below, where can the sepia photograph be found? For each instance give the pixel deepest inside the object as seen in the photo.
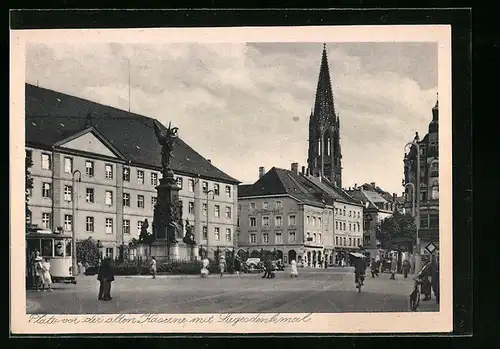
(216, 182)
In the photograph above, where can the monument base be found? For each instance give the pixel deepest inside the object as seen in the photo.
(173, 252)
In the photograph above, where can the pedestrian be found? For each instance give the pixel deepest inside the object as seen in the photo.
(222, 265)
(105, 276)
(47, 279)
(270, 268)
(394, 265)
(153, 267)
(39, 282)
(204, 266)
(359, 269)
(374, 267)
(435, 279)
(294, 272)
(342, 263)
(424, 275)
(80, 267)
(406, 268)
(237, 265)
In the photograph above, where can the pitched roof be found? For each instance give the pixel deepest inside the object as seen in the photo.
(242, 189)
(53, 116)
(308, 189)
(374, 199)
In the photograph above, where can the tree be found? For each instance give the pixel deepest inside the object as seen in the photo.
(87, 251)
(397, 232)
(28, 186)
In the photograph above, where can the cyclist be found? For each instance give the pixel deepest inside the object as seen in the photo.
(359, 270)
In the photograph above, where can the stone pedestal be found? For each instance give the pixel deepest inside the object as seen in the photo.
(173, 251)
(195, 252)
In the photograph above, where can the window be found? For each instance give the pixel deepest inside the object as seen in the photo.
(336, 225)
(435, 192)
(204, 209)
(314, 237)
(344, 241)
(336, 210)
(191, 207)
(358, 244)
(265, 221)
(190, 185)
(46, 190)
(89, 168)
(228, 234)
(216, 211)
(319, 222)
(308, 220)
(291, 220)
(279, 205)
(140, 177)
(319, 238)
(350, 213)
(180, 181)
(314, 221)
(90, 195)
(253, 238)
(109, 252)
(68, 165)
(154, 179)
(47, 247)
(278, 221)
(350, 242)
(68, 222)
(423, 195)
(350, 227)
(278, 238)
(228, 191)
(228, 212)
(89, 223)
(126, 226)
(344, 212)
(108, 170)
(336, 240)
(252, 205)
(265, 238)
(253, 222)
(344, 226)
(139, 226)
(216, 189)
(68, 193)
(109, 198)
(204, 185)
(126, 174)
(238, 222)
(265, 205)
(217, 234)
(291, 236)
(140, 201)
(433, 220)
(358, 214)
(126, 199)
(358, 226)
(154, 200)
(46, 162)
(205, 232)
(109, 225)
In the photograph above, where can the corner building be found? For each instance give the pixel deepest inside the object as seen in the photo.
(109, 162)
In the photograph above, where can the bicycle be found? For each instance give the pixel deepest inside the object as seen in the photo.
(359, 282)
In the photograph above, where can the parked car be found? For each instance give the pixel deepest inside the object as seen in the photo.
(252, 265)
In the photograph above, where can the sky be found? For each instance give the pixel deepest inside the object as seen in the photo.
(246, 105)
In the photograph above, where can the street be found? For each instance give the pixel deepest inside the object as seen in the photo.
(315, 290)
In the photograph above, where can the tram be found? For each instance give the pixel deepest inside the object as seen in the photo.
(56, 247)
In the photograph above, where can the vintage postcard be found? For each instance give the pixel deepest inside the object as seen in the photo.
(231, 180)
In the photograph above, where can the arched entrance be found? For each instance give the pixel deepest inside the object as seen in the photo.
(319, 257)
(242, 253)
(326, 259)
(308, 258)
(314, 259)
(292, 255)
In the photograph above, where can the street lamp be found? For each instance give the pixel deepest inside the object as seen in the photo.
(73, 223)
(416, 192)
(208, 233)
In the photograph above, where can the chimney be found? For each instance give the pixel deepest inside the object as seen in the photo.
(373, 184)
(209, 161)
(355, 185)
(303, 170)
(262, 172)
(295, 167)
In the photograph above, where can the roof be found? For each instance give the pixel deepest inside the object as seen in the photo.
(242, 189)
(53, 116)
(307, 189)
(374, 199)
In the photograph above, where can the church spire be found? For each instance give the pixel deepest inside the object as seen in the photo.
(324, 138)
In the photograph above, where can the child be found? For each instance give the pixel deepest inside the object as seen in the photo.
(47, 279)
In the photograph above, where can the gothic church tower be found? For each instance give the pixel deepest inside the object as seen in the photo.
(324, 156)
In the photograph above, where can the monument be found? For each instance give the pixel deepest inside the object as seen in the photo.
(167, 216)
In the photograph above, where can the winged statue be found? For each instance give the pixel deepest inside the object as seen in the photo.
(166, 138)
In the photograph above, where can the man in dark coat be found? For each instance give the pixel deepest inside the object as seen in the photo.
(435, 279)
(106, 276)
(424, 275)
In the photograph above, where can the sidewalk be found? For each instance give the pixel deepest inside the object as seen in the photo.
(193, 276)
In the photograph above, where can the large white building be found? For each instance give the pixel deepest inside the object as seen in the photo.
(298, 216)
(95, 169)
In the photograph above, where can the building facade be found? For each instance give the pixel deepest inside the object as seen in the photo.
(427, 195)
(98, 175)
(299, 217)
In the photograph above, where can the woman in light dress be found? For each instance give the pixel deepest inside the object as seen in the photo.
(294, 272)
(204, 268)
(38, 271)
(222, 265)
(47, 279)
